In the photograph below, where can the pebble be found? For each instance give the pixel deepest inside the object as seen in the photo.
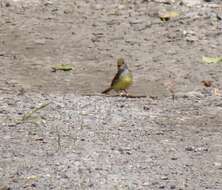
(40, 41)
(189, 148)
(191, 3)
(164, 178)
(217, 164)
(191, 94)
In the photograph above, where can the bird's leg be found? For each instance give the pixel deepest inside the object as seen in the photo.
(121, 93)
(126, 93)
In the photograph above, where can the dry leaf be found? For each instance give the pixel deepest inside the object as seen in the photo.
(165, 16)
(216, 92)
(32, 177)
(207, 83)
(209, 60)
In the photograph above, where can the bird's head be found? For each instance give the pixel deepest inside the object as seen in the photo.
(120, 63)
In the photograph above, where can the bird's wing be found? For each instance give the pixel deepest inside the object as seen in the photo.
(117, 76)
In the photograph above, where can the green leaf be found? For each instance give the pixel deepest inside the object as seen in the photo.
(63, 67)
(210, 60)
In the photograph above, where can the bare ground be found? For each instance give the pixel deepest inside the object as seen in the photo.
(83, 140)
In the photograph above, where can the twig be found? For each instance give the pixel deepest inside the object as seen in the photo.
(58, 138)
(29, 114)
(26, 116)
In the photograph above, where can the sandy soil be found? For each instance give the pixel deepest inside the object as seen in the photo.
(83, 140)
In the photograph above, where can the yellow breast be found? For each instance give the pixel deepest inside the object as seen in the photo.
(124, 82)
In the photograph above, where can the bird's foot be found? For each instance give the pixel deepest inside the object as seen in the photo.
(126, 93)
(123, 93)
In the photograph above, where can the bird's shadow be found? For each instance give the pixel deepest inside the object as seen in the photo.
(118, 95)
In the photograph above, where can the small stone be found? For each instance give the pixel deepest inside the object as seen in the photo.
(98, 7)
(192, 94)
(146, 184)
(164, 178)
(189, 148)
(2, 53)
(146, 108)
(7, 4)
(40, 41)
(91, 185)
(191, 3)
(155, 183)
(191, 38)
(217, 164)
(136, 21)
(200, 149)
(219, 16)
(33, 185)
(160, 133)
(121, 7)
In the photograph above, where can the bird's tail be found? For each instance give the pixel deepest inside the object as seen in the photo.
(107, 90)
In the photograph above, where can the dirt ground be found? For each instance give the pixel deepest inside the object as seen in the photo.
(83, 140)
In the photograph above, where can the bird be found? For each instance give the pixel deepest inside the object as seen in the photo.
(122, 80)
